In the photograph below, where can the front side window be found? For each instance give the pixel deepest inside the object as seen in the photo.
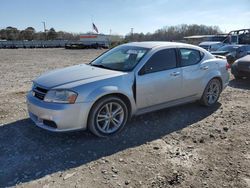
(190, 57)
(122, 58)
(161, 60)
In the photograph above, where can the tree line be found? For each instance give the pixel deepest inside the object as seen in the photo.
(174, 33)
(167, 33)
(12, 33)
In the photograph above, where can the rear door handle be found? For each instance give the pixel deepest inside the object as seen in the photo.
(175, 73)
(204, 67)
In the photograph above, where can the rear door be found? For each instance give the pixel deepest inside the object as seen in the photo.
(192, 71)
(159, 80)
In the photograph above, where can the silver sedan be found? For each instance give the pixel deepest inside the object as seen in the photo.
(128, 80)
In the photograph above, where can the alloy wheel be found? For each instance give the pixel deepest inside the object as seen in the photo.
(110, 117)
(213, 92)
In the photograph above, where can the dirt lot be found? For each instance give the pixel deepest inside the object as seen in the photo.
(185, 146)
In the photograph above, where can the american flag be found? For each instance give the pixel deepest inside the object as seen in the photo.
(94, 27)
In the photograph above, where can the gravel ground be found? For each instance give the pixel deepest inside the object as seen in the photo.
(184, 146)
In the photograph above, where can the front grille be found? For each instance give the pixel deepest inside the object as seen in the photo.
(39, 92)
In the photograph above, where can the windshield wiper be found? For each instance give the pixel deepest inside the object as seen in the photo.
(100, 66)
(104, 67)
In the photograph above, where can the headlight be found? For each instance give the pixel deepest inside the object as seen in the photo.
(61, 96)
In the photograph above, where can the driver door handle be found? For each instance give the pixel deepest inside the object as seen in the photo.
(204, 67)
(175, 74)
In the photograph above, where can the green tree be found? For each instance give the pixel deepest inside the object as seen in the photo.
(12, 33)
(27, 34)
(174, 33)
(52, 34)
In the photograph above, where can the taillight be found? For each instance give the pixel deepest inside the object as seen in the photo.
(228, 66)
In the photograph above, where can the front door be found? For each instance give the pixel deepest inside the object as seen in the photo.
(159, 80)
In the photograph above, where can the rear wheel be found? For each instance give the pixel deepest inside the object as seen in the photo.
(108, 116)
(212, 92)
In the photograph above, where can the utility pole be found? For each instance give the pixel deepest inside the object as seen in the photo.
(132, 33)
(110, 31)
(44, 27)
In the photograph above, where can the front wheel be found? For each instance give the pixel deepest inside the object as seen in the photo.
(108, 116)
(212, 92)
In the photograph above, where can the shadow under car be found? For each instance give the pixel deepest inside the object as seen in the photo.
(28, 153)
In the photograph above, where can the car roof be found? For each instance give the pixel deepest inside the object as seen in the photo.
(154, 44)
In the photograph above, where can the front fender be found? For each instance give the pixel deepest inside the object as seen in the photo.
(100, 92)
(107, 90)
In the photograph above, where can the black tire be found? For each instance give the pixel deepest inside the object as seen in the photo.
(238, 77)
(205, 98)
(95, 111)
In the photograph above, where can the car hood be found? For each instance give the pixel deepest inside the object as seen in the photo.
(72, 74)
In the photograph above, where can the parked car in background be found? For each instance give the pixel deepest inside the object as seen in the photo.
(211, 45)
(241, 67)
(232, 52)
(128, 80)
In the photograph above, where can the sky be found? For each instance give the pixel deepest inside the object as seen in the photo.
(120, 16)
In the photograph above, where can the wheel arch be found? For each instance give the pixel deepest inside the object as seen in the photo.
(205, 103)
(121, 96)
(210, 76)
(220, 79)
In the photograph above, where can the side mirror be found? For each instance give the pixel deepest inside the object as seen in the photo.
(142, 71)
(145, 70)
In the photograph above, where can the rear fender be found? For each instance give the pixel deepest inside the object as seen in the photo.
(210, 76)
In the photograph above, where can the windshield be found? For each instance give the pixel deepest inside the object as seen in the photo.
(228, 48)
(122, 58)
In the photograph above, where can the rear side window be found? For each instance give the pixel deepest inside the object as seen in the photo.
(190, 57)
(161, 60)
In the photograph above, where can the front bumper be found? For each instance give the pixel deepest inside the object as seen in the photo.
(62, 117)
